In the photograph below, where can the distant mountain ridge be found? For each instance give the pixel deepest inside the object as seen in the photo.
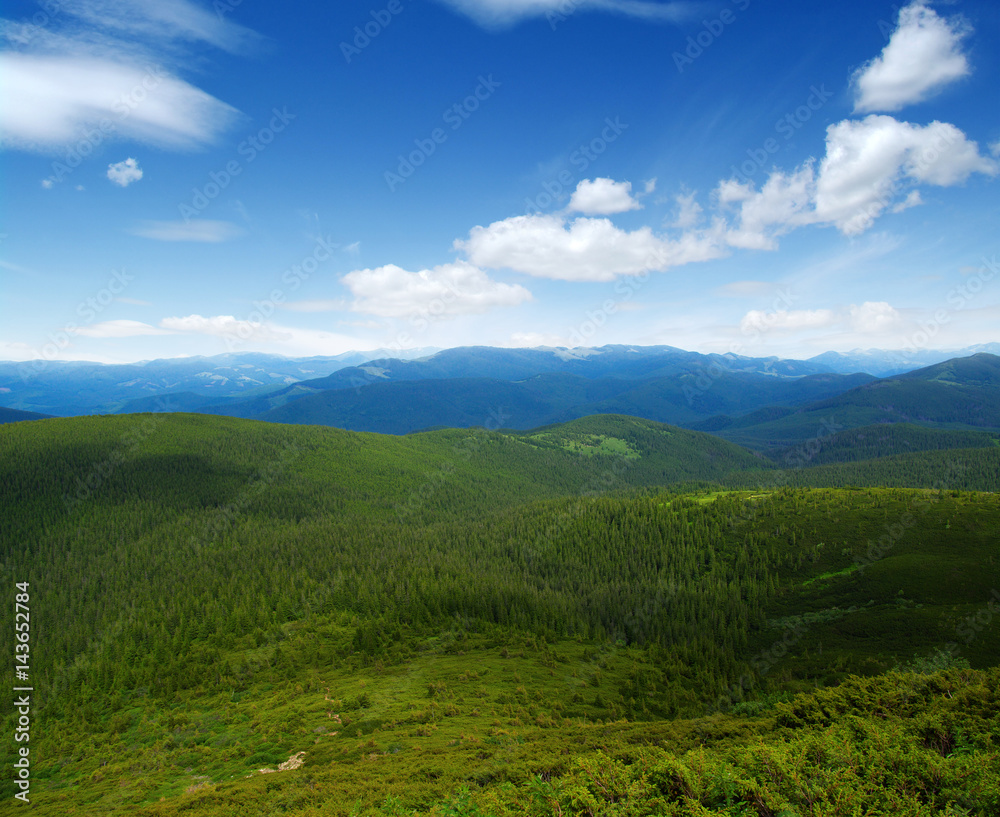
(659, 382)
(958, 394)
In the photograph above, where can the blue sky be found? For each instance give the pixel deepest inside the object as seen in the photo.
(760, 177)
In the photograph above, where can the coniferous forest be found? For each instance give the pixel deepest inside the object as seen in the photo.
(609, 616)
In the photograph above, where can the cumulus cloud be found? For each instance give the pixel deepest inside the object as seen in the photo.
(868, 165)
(873, 316)
(502, 13)
(585, 249)
(923, 55)
(779, 206)
(448, 290)
(106, 69)
(868, 161)
(602, 197)
(197, 230)
(125, 172)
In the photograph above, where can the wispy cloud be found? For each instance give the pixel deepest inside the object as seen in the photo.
(203, 230)
(107, 69)
(222, 326)
(119, 329)
(318, 305)
(502, 13)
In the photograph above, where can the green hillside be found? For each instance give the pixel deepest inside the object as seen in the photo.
(473, 621)
(882, 440)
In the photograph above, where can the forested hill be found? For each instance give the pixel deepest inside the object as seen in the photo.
(201, 461)
(423, 620)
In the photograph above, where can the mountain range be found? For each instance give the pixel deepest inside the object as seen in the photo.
(761, 403)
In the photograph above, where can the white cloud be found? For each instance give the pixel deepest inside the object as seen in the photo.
(870, 317)
(602, 197)
(868, 164)
(125, 172)
(912, 200)
(873, 316)
(223, 326)
(688, 211)
(108, 69)
(78, 102)
(163, 19)
(923, 55)
(500, 13)
(745, 289)
(780, 205)
(448, 290)
(867, 161)
(586, 249)
(119, 329)
(198, 230)
(759, 321)
(316, 306)
(47, 183)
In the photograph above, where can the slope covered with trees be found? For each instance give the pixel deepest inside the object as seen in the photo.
(511, 614)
